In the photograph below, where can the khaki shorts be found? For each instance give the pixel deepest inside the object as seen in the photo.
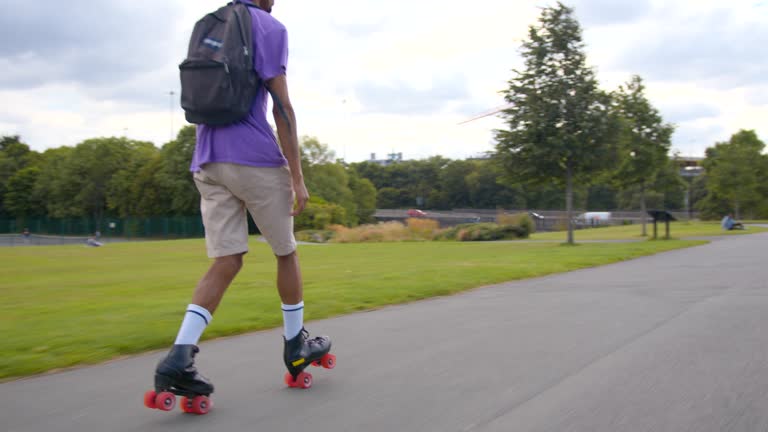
(228, 190)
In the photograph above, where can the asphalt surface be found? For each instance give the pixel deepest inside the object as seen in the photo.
(672, 342)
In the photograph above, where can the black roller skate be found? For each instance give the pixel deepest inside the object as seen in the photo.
(177, 375)
(300, 352)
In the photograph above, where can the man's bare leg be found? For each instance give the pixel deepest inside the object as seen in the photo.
(298, 351)
(212, 286)
(177, 370)
(289, 283)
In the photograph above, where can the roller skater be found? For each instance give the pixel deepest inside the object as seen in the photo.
(239, 168)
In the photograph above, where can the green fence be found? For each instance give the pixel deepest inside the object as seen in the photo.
(132, 227)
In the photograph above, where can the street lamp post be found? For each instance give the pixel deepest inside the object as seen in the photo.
(170, 110)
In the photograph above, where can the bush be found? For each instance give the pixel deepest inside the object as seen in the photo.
(423, 229)
(387, 231)
(483, 232)
(319, 214)
(522, 220)
(314, 236)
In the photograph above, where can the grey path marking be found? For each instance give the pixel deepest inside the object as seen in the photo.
(672, 342)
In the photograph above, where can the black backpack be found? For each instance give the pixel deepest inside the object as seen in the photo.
(218, 81)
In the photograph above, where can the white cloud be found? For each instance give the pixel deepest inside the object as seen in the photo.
(370, 76)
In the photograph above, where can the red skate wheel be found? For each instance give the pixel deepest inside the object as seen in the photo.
(201, 405)
(328, 361)
(289, 380)
(185, 404)
(304, 380)
(149, 399)
(165, 401)
(317, 363)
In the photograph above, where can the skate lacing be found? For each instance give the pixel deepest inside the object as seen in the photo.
(305, 336)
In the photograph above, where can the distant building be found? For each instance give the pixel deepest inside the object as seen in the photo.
(689, 166)
(391, 159)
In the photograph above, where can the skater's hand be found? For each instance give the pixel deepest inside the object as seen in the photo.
(301, 195)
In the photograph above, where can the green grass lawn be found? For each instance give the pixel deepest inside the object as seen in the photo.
(629, 232)
(70, 305)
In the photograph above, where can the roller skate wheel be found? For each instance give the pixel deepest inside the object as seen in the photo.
(165, 401)
(201, 405)
(289, 380)
(304, 380)
(328, 361)
(149, 399)
(185, 404)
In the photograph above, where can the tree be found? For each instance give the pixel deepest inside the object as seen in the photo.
(52, 186)
(326, 178)
(20, 198)
(644, 141)
(735, 171)
(174, 174)
(364, 195)
(453, 182)
(85, 177)
(14, 156)
(560, 129)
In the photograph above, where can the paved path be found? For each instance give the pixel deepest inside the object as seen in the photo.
(674, 342)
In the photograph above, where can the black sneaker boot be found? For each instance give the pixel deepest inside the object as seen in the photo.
(177, 373)
(301, 351)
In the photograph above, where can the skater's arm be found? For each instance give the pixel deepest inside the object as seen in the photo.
(285, 120)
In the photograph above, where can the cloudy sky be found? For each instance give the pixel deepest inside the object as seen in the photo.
(377, 76)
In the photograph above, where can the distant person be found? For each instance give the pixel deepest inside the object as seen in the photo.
(92, 242)
(729, 224)
(26, 234)
(238, 169)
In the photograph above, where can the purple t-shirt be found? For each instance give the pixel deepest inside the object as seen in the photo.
(251, 140)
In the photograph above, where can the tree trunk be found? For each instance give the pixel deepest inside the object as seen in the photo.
(642, 208)
(736, 210)
(569, 201)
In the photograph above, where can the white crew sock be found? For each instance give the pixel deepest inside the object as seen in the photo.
(195, 321)
(293, 319)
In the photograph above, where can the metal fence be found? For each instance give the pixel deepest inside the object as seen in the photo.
(125, 228)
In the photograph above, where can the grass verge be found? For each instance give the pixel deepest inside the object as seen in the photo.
(632, 232)
(71, 305)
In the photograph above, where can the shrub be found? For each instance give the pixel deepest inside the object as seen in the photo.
(482, 232)
(314, 236)
(423, 229)
(387, 231)
(318, 214)
(522, 220)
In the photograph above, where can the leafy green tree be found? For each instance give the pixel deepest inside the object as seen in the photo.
(52, 186)
(487, 192)
(183, 197)
(644, 141)
(735, 172)
(132, 191)
(559, 126)
(20, 198)
(313, 152)
(14, 156)
(326, 178)
(601, 197)
(318, 214)
(453, 182)
(364, 195)
(388, 197)
(87, 172)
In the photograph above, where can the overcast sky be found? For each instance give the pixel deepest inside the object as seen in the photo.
(376, 76)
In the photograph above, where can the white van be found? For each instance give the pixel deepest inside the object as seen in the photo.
(594, 218)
